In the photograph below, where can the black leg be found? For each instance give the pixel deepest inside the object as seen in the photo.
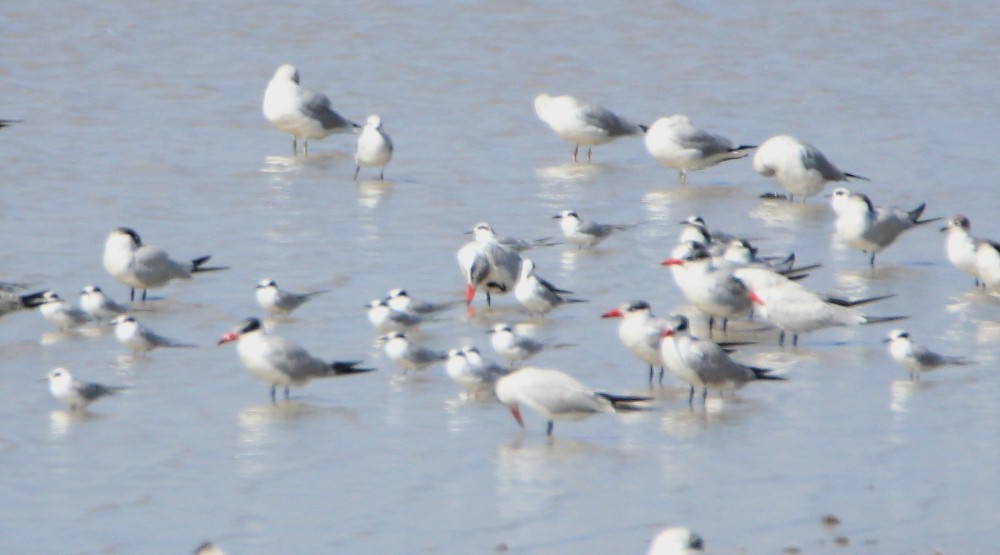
(795, 340)
(286, 392)
(704, 395)
(489, 302)
(131, 296)
(725, 325)
(357, 170)
(576, 150)
(273, 401)
(548, 428)
(871, 262)
(661, 375)
(691, 396)
(781, 338)
(650, 374)
(143, 295)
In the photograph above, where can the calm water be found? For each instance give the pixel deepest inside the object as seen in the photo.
(149, 116)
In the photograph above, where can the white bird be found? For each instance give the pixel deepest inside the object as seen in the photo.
(715, 292)
(386, 319)
(695, 230)
(280, 362)
(677, 144)
(513, 346)
(278, 301)
(988, 264)
(208, 548)
(870, 229)
(374, 147)
(798, 167)
(300, 112)
(138, 338)
(640, 332)
(399, 299)
(582, 124)
(585, 234)
(556, 395)
(537, 295)
(60, 313)
(467, 368)
(960, 245)
(406, 355)
(676, 541)
(11, 301)
(916, 358)
(703, 363)
(488, 265)
(74, 393)
(795, 309)
(99, 305)
(140, 266)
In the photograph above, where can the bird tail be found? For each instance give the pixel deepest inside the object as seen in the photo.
(742, 148)
(958, 361)
(544, 242)
(764, 374)
(196, 265)
(645, 128)
(883, 319)
(569, 301)
(849, 303)
(624, 402)
(31, 300)
(919, 211)
(341, 368)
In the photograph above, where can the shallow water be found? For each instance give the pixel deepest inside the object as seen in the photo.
(149, 116)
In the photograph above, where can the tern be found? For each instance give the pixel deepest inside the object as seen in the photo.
(406, 355)
(585, 234)
(556, 395)
(513, 346)
(716, 292)
(74, 393)
(676, 143)
(676, 541)
(140, 339)
(798, 167)
(960, 245)
(99, 305)
(374, 147)
(537, 295)
(467, 368)
(868, 228)
(640, 332)
(280, 362)
(916, 358)
(399, 299)
(581, 123)
(387, 319)
(141, 266)
(487, 264)
(300, 112)
(278, 301)
(988, 264)
(60, 313)
(12, 302)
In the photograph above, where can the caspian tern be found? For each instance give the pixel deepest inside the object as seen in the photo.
(487, 264)
(703, 363)
(300, 112)
(537, 295)
(640, 332)
(799, 167)
(676, 143)
(141, 266)
(275, 300)
(582, 124)
(916, 358)
(869, 228)
(715, 292)
(74, 393)
(279, 362)
(374, 147)
(556, 395)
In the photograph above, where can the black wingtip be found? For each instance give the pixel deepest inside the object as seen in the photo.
(348, 367)
(645, 128)
(196, 265)
(856, 176)
(765, 374)
(31, 300)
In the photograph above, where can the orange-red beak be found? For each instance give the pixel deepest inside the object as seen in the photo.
(612, 314)
(470, 292)
(672, 262)
(515, 411)
(667, 333)
(231, 336)
(755, 299)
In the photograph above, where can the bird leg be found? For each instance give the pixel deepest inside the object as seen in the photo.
(357, 170)
(661, 375)
(131, 296)
(576, 150)
(273, 401)
(682, 177)
(548, 428)
(589, 150)
(691, 396)
(781, 338)
(650, 374)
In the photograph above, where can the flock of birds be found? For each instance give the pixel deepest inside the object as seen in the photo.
(721, 276)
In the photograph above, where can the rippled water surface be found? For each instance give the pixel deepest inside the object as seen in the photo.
(148, 115)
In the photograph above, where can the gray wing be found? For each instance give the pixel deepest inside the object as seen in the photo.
(708, 143)
(596, 229)
(608, 121)
(505, 264)
(9, 302)
(92, 391)
(160, 341)
(814, 159)
(317, 106)
(154, 265)
(295, 361)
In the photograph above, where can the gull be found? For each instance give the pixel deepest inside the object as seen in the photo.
(915, 357)
(799, 167)
(406, 355)
(74, 393)
(12, 302)
(868, 228)
(487, 264)
(374, 147)
(399, 299)
(280, 362)
(715, 292)
(278, 301)
(677, 144)
(556, 395)
(676, 541)
(138, 338)
(467, 368)
(704, 363)
(795, 309)
(537, 295)
(585, 234)
(99, 305)
(640, 332)
(141, 266)
(300, 112)
(60, 313)
(960, 245)
(387, 319)
(582, 124)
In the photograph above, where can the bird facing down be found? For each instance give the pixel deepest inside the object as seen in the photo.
(278, 301)
(556, 395)
(280, 362)
(916, 358)
(374, 147)
(487, 264)
(74, 393)
(798, 167)
(676, 541)
(677, 144)
(300, 112)
(585, 234)
(581, 123)
(141, 266)
(869, 228)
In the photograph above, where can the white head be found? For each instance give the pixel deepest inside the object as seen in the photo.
(50, 296)
(897, 335)
(59, 377)
(483, 232)
(569, 215)
(265, 283)
(124, 237)
(124, 320)
(527, 267)
(374, 122)
(88, 289)
(675, 540)
(287, 72)
(541, 101)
